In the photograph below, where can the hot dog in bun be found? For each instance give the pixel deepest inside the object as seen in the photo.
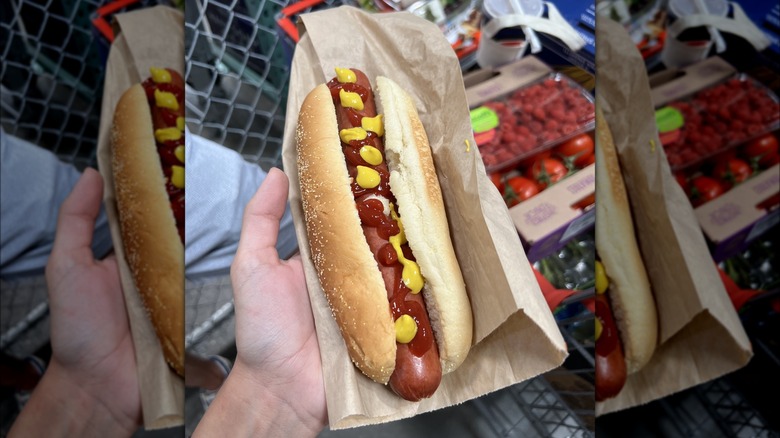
(147, 144)
(379, 235)
(626, 320)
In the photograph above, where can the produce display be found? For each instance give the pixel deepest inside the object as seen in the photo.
(715, 119)
(535, 136)
(530, 120)
(720, 136)
(720, 173)
(534, 174)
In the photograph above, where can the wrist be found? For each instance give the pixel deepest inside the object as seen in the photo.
(258, 406)
(69, 410)
(96, 397)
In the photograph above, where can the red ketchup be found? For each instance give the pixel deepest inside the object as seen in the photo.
(166, 118)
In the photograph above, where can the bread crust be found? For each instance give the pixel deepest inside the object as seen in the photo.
(629, 292)
(416, 188)
(153, 249)
(346, 267)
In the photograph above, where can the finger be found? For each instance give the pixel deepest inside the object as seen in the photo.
(78, 212)
(261, 219)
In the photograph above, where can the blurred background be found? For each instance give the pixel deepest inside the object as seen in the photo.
(237, 58)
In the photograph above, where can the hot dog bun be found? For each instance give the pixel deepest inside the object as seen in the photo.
(414, 182)
(152, 246)
(347, 270)
(629, 292)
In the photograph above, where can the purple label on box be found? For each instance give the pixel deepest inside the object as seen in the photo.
(769, 184)
(539, 214)
(725, 214)
(583, 184)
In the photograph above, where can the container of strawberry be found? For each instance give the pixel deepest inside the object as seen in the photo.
(716, 119)
(530, 120)
(534, 129)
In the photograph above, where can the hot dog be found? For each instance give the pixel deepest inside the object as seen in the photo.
(379, 235)
(626, 320)
(147, 144)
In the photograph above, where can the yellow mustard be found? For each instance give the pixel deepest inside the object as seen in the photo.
(350, 100)
(373, 124)
(602, 282)
(165, 99)
(160, 75)
(345, 75)
(598, 329)
(367, 177)
(405, 329)
(167, 134)
(177, 177)
(350, 134)
(371, 155)
(180, 123)
(179, 152)
(411, 275)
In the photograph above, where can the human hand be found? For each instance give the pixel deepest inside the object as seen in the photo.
(93, 363)
(278, 362)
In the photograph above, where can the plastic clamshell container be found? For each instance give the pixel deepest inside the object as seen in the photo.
(715, 119)
(531, 119)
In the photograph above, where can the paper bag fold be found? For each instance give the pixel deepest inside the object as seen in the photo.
(149, 37)
(515, 335)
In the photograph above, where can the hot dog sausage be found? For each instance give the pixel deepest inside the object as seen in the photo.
(610, 363)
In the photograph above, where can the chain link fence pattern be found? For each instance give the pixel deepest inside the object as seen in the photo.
(52, 75)
(237, 68)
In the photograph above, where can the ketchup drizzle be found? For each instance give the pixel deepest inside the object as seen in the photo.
(608, 340)
(336, 86)
(423, 340)
(371, 213)
(166, 150)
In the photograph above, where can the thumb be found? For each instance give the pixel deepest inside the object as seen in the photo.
(76, 221)
(262, 214)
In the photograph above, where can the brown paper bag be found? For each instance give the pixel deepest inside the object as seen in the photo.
(700, 335)
(514, 333)
(149, 37)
